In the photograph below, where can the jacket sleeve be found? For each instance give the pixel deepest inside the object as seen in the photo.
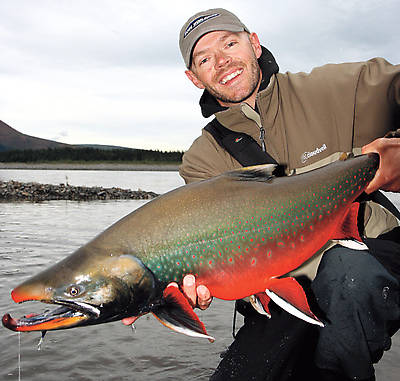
(377, 101)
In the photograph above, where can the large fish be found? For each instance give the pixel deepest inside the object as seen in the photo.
(239, 233)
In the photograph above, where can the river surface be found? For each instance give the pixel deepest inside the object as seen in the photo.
(35, 235)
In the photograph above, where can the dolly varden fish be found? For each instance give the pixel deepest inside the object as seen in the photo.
(239, 233)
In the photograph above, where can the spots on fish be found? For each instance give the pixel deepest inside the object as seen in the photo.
(257, 230)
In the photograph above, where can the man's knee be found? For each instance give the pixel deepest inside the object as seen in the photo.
(354, 276)
(359, 297)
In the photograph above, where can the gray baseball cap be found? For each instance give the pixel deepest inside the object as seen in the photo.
(205, 22)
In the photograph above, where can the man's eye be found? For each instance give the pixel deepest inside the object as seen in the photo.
(203, 61)
(230, 44)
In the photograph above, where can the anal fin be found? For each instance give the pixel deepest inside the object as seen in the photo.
(347, 233)
(348, 228)
(177, 314)
(289, 295)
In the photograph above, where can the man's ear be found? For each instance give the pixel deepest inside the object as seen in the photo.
(255, 43)
(194, 79)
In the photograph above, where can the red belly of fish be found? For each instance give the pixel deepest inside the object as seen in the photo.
(248, 272)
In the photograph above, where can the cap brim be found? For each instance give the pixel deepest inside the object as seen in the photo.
(197, 35)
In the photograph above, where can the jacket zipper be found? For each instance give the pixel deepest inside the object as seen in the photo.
(262, 131)
(253, 115)
(262, 136)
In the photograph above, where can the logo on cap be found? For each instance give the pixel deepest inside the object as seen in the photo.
(196, 22)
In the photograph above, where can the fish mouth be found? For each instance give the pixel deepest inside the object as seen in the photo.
(69, 315)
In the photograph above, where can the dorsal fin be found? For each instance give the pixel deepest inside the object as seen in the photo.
(263, 172)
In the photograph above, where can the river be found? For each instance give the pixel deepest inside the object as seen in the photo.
(34, 235)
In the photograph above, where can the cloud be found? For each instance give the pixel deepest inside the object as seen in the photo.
(110, 71)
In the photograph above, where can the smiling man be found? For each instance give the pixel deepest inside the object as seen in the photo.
(302, 121)
(225, 64)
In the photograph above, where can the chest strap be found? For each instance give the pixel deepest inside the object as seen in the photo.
(239, 145)
(247, 152)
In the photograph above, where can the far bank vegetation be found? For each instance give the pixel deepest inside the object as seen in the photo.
(89, 154)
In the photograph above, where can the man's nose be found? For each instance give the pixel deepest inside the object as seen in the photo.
(222, 59)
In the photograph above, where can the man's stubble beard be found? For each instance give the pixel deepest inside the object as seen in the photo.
(255, 76)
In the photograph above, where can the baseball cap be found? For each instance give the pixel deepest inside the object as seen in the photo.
(205, 22)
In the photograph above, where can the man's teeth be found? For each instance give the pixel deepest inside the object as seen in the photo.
(231, 76)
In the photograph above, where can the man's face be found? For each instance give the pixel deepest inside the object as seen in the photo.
(225, 63)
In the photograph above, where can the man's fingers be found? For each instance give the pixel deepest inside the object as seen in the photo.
(189, 288)
(198, 296)
(387, 177)
(203, 297)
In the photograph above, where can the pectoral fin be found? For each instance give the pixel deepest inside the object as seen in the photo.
(177, 314)
(289, 295)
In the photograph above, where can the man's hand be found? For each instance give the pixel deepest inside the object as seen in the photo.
(387, 177)
(198, 296)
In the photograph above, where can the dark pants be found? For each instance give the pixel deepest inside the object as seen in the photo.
(358, 300)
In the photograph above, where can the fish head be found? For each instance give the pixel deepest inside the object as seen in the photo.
(116, 287)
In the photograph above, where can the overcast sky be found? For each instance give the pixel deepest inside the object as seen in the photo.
(110, 71)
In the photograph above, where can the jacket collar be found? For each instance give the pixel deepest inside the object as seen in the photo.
(268, 65)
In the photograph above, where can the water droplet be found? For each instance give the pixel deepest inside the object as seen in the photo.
(385, 292)
(39, 347)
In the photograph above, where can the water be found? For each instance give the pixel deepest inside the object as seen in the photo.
(34, 235)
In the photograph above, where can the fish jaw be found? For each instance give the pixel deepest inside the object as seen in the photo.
(125, 291)
(28, 291)
(70, 314)
(61, 318)
(67, 316)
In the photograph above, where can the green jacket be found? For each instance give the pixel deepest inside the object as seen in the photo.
(307, 117)
(309, 120)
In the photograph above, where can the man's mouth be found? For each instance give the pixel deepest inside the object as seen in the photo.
(231, 76)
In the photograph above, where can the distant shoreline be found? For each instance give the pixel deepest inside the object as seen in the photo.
(92, 166)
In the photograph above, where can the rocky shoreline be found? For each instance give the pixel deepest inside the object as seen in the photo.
(18, 191)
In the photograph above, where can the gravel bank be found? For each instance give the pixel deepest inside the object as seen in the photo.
(17, 191)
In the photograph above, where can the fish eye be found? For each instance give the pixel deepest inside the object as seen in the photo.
(74, 290)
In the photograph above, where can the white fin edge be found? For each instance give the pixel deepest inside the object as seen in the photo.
(351, 244)
(292, 309)
(185, 331)
(257, 305)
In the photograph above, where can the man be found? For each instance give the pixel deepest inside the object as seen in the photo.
(302, 121)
